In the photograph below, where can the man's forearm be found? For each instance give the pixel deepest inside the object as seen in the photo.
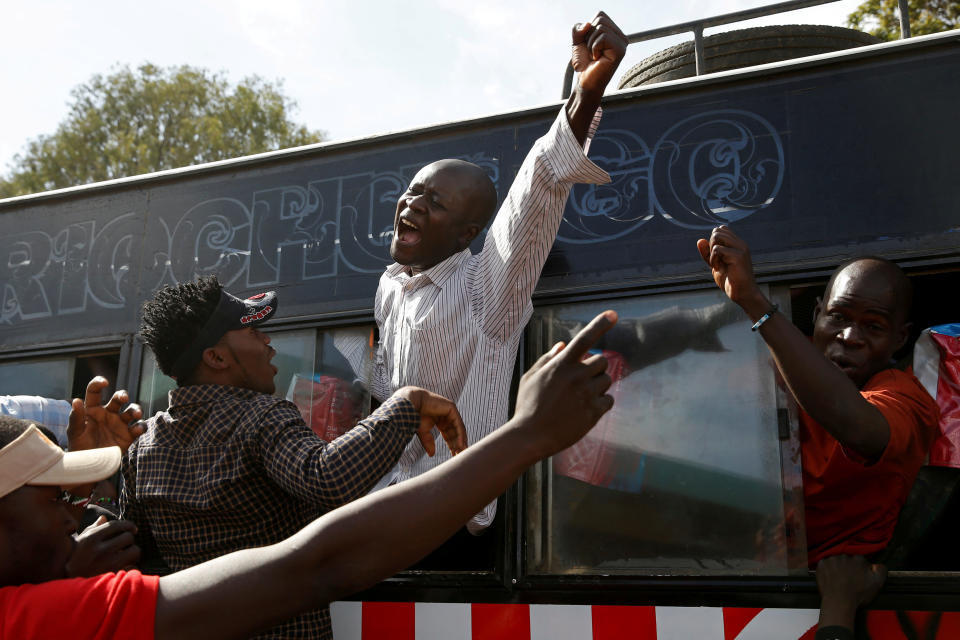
(346, 468)
(581, 107)
(344, 551)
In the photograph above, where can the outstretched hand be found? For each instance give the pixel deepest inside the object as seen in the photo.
(436, 411)
(92, 426)
(564, 393)
(598, 47)
(729, 259)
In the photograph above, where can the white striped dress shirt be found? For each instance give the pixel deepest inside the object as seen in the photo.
(454, 329)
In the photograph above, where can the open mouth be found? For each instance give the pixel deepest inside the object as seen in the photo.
(845, 365)
(407, 232)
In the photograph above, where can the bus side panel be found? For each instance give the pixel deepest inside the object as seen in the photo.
(374, 621)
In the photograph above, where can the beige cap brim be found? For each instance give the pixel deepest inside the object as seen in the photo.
(32, 459)
(81, 467)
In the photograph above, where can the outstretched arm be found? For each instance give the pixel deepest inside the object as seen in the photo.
(525, 228)
(598, 48)
(820, 387)
(560, 398)
(331, 474)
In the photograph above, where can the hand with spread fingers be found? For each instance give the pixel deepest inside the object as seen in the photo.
(564, 393)
(92, 425)
(103, 547)
(436, 411)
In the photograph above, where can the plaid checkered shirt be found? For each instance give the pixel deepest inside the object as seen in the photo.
(227, 468)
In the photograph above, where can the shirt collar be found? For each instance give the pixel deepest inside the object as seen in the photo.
(199, 393)
(437, 274)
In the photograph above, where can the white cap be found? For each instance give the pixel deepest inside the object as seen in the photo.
(33, 459)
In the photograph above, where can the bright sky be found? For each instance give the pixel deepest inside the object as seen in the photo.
(355, 68)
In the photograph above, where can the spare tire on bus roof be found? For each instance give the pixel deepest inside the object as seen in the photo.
(744, 48)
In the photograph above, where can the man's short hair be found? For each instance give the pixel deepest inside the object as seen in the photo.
(903, 288)
(12, 428)
(170, 321)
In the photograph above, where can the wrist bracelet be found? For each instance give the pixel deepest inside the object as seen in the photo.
(834, 632)
(769, 314)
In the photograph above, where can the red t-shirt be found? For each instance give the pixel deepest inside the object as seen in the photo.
(119, 606)
(852, 507)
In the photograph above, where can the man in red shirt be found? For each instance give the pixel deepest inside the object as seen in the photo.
(241, 593)
(865, 427)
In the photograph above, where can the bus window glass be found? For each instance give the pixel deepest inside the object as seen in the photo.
(154, 386)
(685, 475)
(333, 395)
(51, 378)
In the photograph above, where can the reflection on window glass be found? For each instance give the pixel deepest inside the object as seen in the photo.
(51, 378)
(327, 381)
(154, 386)
(683, 475)
(89, 366)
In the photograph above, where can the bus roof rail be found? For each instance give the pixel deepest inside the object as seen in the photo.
(697, 27)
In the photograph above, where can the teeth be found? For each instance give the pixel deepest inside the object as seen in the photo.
(409, 224)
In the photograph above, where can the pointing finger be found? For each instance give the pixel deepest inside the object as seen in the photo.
(588, 336)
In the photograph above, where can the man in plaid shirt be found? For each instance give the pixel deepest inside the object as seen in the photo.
(229, 465)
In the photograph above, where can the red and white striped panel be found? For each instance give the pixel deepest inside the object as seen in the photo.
(450, 621)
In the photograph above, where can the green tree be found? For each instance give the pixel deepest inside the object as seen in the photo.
(882, 17)
(137, 121)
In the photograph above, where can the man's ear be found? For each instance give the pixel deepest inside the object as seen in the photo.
(903, 334)
(470, 232)
(214, 358)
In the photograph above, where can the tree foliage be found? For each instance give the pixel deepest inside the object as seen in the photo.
(882, 17)
(137, 121)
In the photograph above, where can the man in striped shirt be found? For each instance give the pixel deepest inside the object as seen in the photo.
(451, 321)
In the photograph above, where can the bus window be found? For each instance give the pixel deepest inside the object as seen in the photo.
(331, 390)
(691, 472)
(324, 373)
(58, 378)
(50, 378)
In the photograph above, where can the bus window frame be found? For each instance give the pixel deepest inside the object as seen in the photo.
(122, 344)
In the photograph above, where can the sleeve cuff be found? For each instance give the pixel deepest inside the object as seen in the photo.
(399, 412)
(567, 158)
